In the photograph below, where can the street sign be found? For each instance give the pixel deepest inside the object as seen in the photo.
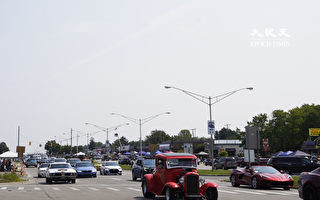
(20, 150)
(252, 137)
(211, 127)
(249, 155)
(188, 148)
(107, 143)
(314, 132)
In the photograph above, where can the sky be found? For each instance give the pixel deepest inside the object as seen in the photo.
(67, 63)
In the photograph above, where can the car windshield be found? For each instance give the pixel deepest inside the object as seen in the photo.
(149, 162)
(60, 160)
(56, 166)
(268, 170)
(316, 171)
(44, 165)
(74, 161)
(111, 164)
(173, 163)
(85, 164)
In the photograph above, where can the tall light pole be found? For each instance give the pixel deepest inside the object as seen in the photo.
(140, 122)
(107, 131)
(209, 101)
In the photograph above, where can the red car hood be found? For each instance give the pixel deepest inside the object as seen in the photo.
(275, 177)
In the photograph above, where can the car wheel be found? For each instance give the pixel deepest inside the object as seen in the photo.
(73, 181)
(145, 191)
(133, 177)
(234, 182)
(49, 181)
(211, 194)
(100, 172)
(254, 183)
(94, 176)
(141, 175)
(309, 193)
(170, 194)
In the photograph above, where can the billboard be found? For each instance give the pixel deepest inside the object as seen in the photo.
(252, 137)
(314, 132)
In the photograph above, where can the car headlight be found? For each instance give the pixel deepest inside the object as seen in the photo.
(79, 171)
(202, 180)
(181, 180)
(94, 170)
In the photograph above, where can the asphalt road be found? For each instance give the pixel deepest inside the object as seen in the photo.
(120, 187)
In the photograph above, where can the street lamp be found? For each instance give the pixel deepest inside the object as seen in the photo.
(107, 131)
(140, 122)
(209, 102)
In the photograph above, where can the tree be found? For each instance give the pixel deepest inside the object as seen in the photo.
(92, 144)
(223, 154)
(156, 137)
(52, 147)
(3, 147)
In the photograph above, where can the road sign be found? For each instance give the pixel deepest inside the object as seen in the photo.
(314, 132)
(265, 144)
(211, 127)
(188, 148)
(252, 137)
(107, 143)
(249, 155)
(20, 150)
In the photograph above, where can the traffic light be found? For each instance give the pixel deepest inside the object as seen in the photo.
(29, 143)
(50, 144)
(40, 145)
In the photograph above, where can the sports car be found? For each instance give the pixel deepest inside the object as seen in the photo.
(260, 176)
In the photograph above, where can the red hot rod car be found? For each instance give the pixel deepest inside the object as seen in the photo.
(176, 177)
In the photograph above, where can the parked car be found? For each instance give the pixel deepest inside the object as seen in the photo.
(110, 167)
(60, 172)
(31, 162)
(207, 162)
(73, 161)
(225, 163)
(176, 177)
(124, 160)
(309, 185)
(141, 167)
(290, 164)
(60, 160)
(84, 168)
(260, 176)
(42, 170)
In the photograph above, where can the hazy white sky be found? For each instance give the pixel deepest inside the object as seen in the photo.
(64, 63)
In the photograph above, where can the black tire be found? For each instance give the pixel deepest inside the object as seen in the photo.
(310, 193)
(141, 175)
(73, 181)
(100, 172)
(94, 176)
(254, 183)
(211, 194)
(145, 191)
(169, 194)
(233, 181)
(133, 177)
(49, 181)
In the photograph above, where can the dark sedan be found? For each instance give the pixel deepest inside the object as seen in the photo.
(309, 185)
(260, 176)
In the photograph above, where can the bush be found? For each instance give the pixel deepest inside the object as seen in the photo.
(9, 177)
(223, 154)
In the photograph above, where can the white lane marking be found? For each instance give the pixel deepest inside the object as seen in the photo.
(291, 193)
(137, 190)
(114, 189)
(227, 191)
(117, 179)
(56, 189)
(3, 188)
(275, 192)
(20, 188)
(36, 188)
(248, 192)
(75, 189)
(94, 189)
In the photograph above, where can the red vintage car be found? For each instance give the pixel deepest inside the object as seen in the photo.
(176, 177)
(260, 176)
(309, 185)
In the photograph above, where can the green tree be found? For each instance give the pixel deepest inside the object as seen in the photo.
(92, 144)
(223, 154)
(3, 147)
(156, 137)
(52, 147)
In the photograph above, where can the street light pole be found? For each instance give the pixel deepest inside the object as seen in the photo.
(107, 131)
(209, 102)
(140, 122)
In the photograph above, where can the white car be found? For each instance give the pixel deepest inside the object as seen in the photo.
(110, 167)
(60, 172)
(42, 169)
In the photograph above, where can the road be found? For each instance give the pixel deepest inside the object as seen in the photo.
(120, 187)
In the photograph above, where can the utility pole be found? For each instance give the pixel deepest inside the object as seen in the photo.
(18, 135)
(71, 143)
(77, 143)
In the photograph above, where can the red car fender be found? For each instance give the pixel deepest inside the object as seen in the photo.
(172, 185)
(148, 178)
(205, 186)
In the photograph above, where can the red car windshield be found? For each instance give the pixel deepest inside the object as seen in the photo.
(265, 169)
(178, 163)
